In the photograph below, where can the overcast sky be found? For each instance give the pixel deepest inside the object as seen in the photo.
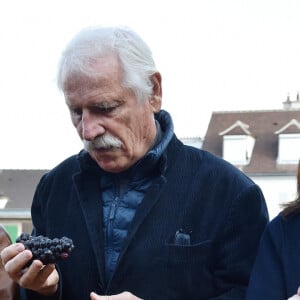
(213, 55)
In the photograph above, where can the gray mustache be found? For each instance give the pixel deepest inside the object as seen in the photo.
(105, 141)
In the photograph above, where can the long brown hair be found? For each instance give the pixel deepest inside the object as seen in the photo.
(294, 206)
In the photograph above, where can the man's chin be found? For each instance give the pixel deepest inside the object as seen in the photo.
(107, 160)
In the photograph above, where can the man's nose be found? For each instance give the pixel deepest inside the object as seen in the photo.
(91, 126)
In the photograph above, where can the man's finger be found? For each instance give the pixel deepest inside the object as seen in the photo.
(10, 252)
(14, 266)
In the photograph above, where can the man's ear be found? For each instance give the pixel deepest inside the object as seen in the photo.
(156, 97)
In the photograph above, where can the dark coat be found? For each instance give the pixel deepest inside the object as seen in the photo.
(276, 274)
(221, 209)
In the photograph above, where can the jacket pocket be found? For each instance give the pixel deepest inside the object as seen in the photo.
(186, 270)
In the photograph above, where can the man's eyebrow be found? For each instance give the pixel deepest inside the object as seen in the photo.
(106, 103)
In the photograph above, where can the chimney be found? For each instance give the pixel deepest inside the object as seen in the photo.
(288, 104)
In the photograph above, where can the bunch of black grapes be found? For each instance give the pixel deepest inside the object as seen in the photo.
(47, 250)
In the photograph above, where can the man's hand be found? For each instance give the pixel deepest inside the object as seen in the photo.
(122, 296)
(37, 277)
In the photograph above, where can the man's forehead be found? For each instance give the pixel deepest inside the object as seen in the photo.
(79, 83)
(104, 71)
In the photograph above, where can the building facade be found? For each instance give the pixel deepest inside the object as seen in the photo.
(16, 192)
(263, 144)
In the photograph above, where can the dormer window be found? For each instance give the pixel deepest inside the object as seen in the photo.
(237, 149)
(238, 144)
(289, 143)
(289, 148)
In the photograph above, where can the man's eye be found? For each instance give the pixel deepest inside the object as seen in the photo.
(103, 109)
(108, 109)
(76, 112)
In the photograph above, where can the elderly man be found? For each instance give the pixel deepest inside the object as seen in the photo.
(150, 218)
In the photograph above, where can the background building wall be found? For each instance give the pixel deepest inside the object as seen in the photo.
(277, 191)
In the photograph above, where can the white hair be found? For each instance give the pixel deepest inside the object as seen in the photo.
(94, 42)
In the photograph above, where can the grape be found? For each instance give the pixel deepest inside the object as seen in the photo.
(47, 250)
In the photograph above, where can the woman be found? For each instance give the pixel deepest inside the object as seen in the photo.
(276, 272)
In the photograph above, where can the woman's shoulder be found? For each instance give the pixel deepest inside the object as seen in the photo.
(286, 224)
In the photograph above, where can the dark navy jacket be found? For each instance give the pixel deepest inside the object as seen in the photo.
(276, 274)
(210, 202)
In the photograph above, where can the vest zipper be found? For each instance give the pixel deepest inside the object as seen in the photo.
(111, 217)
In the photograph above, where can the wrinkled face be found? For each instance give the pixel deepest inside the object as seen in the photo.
(116, 128)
